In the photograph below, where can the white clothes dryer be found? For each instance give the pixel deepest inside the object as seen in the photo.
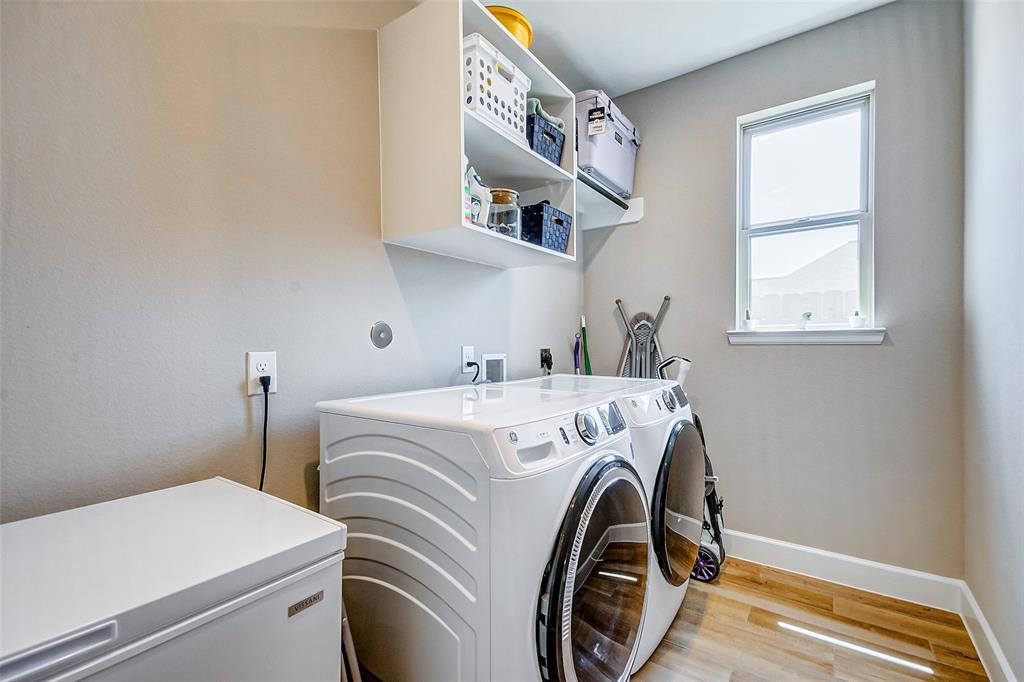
(670, 459)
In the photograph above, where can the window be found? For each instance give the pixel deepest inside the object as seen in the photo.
(805, 255)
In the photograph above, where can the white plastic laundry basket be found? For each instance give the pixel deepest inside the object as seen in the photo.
(493, 86)
(609, 154)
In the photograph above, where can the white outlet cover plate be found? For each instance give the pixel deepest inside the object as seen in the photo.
(258, 363)
(468, 355)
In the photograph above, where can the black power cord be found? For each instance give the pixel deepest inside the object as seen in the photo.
(477, 365)
(265, 383)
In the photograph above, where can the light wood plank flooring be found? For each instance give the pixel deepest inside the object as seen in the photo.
(759, 623)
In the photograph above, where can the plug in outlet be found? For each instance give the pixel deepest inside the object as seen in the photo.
(547, 362)
(468, 355)
(257, 364)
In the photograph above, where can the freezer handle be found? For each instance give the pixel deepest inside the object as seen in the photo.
(44, 660)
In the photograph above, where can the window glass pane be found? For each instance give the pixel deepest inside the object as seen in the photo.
(813, 271)
(806, 169)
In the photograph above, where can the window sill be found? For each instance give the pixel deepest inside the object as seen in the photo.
(783, 337)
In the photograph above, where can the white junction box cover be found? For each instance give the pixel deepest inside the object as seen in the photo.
(79, 583)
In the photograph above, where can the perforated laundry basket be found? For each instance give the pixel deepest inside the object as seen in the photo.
(493, 86)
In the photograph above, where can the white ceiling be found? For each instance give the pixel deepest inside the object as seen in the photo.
(622, 45)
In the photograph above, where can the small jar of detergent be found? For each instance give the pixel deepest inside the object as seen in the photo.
(504, 216)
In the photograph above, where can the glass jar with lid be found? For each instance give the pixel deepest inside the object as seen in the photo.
(504, 216)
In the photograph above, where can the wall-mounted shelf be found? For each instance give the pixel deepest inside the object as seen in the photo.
(479, 245)
(597, 206)
(504, 161)
(425, 131)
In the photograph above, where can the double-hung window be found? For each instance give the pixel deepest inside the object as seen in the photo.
(805, 223)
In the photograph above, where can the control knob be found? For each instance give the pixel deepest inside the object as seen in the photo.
(670, 400)
(587, 427)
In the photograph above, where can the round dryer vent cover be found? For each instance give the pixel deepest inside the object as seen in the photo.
(381, 334)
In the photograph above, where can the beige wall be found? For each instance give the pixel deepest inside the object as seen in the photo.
(994, 318)
(853, 449)
(183, 182)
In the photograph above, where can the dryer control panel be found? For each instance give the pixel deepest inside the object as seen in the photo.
(537, 444)
(647, 408)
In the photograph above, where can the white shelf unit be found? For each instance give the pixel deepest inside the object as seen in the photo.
(597, 206)
(425, 130)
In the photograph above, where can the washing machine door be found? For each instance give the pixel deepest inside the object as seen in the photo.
(677, 503)
(594, 592)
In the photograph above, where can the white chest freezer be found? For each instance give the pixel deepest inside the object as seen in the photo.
(206, 581)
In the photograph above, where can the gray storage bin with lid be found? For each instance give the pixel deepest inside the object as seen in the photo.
(609, 155)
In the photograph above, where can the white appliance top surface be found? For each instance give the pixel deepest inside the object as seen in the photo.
(163, 555)
(593, 384)
(487, 406)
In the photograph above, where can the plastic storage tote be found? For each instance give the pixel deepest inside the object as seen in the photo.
(607, 142)
(493, 86)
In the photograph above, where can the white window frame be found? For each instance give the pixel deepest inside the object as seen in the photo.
(861, 96)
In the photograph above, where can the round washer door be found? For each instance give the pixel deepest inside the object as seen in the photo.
(677, 505)
(594, 591)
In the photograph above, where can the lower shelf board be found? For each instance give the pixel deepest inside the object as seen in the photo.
(761, 623)
(480, 245)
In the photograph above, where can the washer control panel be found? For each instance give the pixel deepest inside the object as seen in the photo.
(531, 445)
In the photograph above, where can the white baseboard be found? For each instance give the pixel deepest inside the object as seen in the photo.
(928, 589)
(984, 639)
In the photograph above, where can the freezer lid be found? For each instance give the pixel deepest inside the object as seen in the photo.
(109, 573)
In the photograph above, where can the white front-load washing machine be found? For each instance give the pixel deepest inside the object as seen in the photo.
(495, 533)
(669, 456)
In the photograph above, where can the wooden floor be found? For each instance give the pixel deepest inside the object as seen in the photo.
(741, 628)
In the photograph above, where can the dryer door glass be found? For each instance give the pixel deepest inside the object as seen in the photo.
(595, 587)
(677, 507)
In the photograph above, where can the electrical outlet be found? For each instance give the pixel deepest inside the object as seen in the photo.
(257, 364)
(468, 355)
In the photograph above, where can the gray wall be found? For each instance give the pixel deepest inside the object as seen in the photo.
(853, 449)
(994, 318)
(183, 182)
